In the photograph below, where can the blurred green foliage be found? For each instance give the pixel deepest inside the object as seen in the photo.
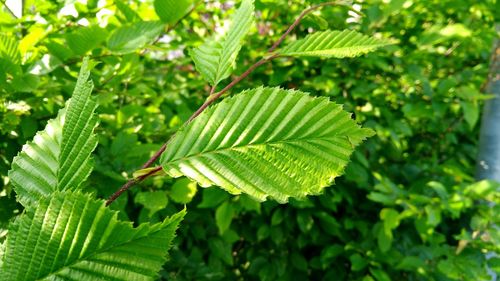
(408, 207)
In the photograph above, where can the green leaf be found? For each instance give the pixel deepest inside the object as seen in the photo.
(471, 113)
(215, 58)
(85, 39)
(9, 48)
(59, 156)
(212, 197)
(134, 36)
(153, 201)
(333, 44)
(71, 236)
(171, 11)
(266, 142)
(223, 216)
(129, 13)
(183, 191)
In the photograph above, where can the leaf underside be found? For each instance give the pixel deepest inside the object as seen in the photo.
(266, 142)
(58, 158)
(216, 57)
(334, 44)
(71, 236)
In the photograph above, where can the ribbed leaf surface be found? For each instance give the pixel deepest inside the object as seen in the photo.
(266, 141)
(170, 11)
(59, 156)
(333, 44)
(71, 236)
(134, 36)
(9, 48)
(215, 58)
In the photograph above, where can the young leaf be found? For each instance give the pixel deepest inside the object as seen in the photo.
(170, 11)
(215, 58)
(59, 156)
(71, 236)
(266, 141)
(131, 37)
(333, 44)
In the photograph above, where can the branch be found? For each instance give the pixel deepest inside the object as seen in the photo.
(213, 97)
(8, 9)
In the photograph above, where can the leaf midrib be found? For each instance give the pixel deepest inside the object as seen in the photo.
(286, 141)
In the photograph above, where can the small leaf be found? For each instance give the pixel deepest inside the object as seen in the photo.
(266, 142)
(171, 11)
(212, 197)
(131, 37)
(146, 171)
(333, 44)
(153, 201)
(71, 236)
(215, 58)
(223, 216)
(471, 113)
(129, 13)
(183, 191)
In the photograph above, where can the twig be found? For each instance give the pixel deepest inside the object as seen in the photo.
(8, 9)
(213, 97)
(126, 186)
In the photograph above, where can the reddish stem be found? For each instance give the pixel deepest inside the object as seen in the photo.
(213, 97)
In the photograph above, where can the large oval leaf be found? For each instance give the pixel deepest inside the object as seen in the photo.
(71, 236)
(266, 141)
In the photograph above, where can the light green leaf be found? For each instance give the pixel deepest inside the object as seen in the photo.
(333, 44)
(183, 191)
(129, 13)
(171, 11)
(59, 156)
(85, 39)
(153, 201)
(223, 216)
(471, 112)
(9, 48)
(131, 37)
(216, 57)
(266, 141)
(71, 236)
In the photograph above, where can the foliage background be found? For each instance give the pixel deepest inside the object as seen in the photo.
(408, 207)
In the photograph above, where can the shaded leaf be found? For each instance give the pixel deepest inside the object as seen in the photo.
(171, 11)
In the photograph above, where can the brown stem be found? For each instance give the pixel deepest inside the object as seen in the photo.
(129, 184)
(213, 97)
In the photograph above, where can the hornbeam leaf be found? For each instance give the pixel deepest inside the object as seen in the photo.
(170, 11)
(266, 142)
(131, 37)
(333, 44)
(71, 236)
(215, 58)
(59, 156)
